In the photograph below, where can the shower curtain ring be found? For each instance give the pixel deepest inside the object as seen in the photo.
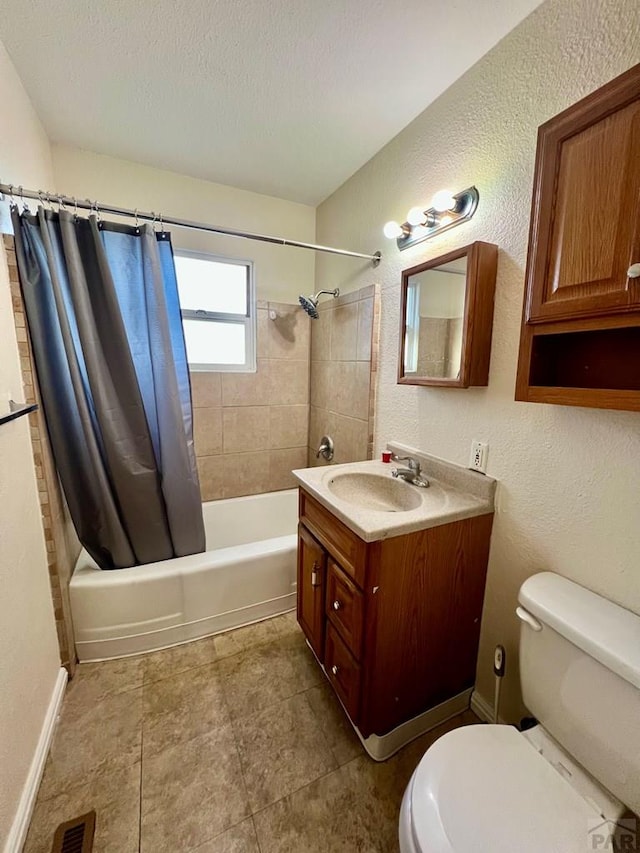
(12, 200)
(25, 206)
(135, 213)
(161, 226)
(75, 208)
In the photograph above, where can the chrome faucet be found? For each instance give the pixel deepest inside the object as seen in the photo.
(410, 474)
(326, 448)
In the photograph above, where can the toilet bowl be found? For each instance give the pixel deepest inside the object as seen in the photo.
(561, 786)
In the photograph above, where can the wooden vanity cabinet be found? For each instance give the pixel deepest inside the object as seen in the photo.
(580, 340)
(394, 623)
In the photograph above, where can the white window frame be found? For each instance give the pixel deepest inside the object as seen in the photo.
(248, 319)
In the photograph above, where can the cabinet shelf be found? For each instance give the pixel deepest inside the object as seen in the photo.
(597, 359)
(594, 398)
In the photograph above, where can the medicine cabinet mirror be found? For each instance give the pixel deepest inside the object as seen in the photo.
(446, 318)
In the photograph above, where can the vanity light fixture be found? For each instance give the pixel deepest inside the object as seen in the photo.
(446, 211)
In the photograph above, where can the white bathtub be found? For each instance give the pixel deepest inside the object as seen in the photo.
(247, 573)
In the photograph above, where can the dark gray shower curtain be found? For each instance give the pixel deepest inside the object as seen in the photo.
(102, 306)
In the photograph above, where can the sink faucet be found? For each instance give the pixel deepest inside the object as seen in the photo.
(410, 474)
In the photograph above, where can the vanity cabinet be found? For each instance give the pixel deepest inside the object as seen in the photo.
(580, 340)
(395, 623)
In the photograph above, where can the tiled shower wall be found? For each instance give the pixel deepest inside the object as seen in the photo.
(344, 364)
(62, 543)
(251, 429)
(439, 345)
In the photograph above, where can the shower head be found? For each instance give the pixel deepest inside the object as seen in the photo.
(310, 303)
(309, 306)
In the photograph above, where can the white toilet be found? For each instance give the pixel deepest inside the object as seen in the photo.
(560, 786)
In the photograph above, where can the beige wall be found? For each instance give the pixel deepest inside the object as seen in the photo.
(25, 153)
(29, 662)
(344, 346)
(250, 429)
(568, 494)
(281, 273)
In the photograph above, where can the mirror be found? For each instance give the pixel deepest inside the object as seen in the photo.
(434, 316)
(446, 318)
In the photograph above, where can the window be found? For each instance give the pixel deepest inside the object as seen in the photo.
(412, 327)
(217, 300)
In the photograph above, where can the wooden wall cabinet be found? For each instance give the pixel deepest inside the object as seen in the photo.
(394, 623)
(580, 340)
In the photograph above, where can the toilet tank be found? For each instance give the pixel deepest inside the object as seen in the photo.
(580, 675)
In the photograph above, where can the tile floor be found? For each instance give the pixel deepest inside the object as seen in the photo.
(232, 744)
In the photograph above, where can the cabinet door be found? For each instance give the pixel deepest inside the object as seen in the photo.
(344, 672)
(345, 607)
(585, 226)
(312, 569)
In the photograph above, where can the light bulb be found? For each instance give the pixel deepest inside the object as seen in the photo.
(416, 216)
(392, 230)
(443, 200)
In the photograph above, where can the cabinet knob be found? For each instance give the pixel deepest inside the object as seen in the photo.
(334, 669)
(634, 271)
(336, 605)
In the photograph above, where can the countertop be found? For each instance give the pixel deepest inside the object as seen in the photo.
(454, 493)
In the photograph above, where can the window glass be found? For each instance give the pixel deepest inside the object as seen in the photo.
(211, 285)
(210, 342)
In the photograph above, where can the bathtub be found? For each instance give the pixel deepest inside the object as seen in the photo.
(247, 573)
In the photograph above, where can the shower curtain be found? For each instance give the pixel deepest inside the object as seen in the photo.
(102, 306)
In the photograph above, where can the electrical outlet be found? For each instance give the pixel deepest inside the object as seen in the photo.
(478, 458)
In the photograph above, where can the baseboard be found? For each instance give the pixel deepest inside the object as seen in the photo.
(382, 747)
(483, 709)
(20, 826)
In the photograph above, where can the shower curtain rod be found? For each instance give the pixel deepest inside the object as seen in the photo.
(20, 194)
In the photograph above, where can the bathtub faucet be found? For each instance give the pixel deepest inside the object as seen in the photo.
(326, 448)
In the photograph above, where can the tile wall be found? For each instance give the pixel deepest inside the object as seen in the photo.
(251, 429)
(439, 346)
(344, 364)
(62, 543)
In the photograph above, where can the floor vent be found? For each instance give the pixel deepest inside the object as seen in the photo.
(75, 836)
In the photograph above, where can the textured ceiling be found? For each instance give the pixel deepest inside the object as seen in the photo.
(283, 97)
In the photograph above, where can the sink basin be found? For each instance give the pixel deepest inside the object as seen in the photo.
(373, 491)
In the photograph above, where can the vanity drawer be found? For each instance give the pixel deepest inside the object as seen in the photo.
(345, 607)
(343, 544)
(343, 671)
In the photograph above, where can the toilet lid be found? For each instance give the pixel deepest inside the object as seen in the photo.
(485, 789)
